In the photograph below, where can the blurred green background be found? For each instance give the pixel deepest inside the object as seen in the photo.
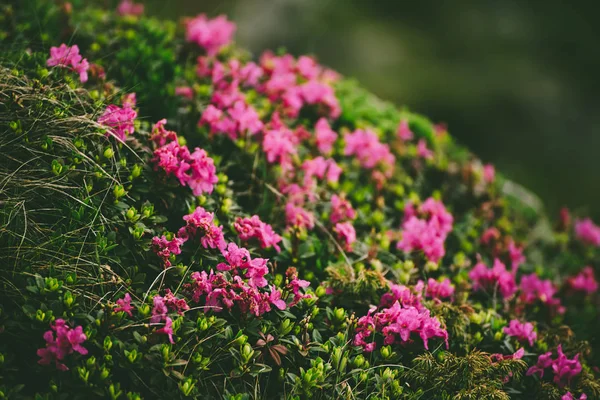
(516, 81)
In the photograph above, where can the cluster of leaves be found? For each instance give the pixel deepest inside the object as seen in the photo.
(79, 210)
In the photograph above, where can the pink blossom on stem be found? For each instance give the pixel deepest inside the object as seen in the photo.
(69, 57)
(253, 227)
(423, 151)
(299, 217)
(535, 289)
(584, 281)
(128, 7)
(211, 34)
(120, 121)
(124, 305)
(184, 91)
(587, 232)
(61, 341)
(490, 279)
(404, 131)
(522, 331)
(489, 173)
(167, 330)
(341, 210)
(346, 233)
(439, 290)
(325, 136)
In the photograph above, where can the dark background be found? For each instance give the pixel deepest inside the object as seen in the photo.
(516, 81)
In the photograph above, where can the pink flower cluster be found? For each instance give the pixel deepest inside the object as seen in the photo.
(210, 34)
(164, 248)
(297, 83)
(496, 278)
(522, 331)
(427, 235)
(234, 122)
(587, 232)
(298, 217)
(397, 323)
(222, 293)
(404, 132)
(195, 170)
(61, 341)
(406, 296)
(238, 258)
(584, 281)
(569, 396)
(325, 136)
(516, 256)
(69, 57)
(253, 227)
(320, 168)
(128, 7)
(534, 289)
(346, 234)
(200, 223)
(370, 152)
(124, 305)
(341, 209)
(564, 369)
(120, 121)
(439, 290)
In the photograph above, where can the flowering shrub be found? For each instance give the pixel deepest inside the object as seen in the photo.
(181, 221)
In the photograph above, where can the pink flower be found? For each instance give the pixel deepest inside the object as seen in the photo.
(246, 118)
(587, 232)
(195, 170)
(406, 296)
(346, 233)
(60, 342)
(404, 131)
(564, 368)
(429, 234)
(489, 235)
(211, 34)
(159, 309)
(298, 217)
(174, 303)
(489, 173)
(124, 305)
(279, 146)
(163, 248)
(160, 136)
(584, 281)
(535, 289)
(341, 209)
(307, 67)
(325, 136)
(200, 224)
(423, 151)
(488, 279)
(167, 330)
(254, 228)
(439, 290)
(569, 396)
(275, 298)
(184, 91)
(544, 361)
(522, 331)
(128, 7)
(397, 323)
(321, 168)
(69, 57)
(370, 152)
(202, 177)
(516, 256)
(119, 120)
